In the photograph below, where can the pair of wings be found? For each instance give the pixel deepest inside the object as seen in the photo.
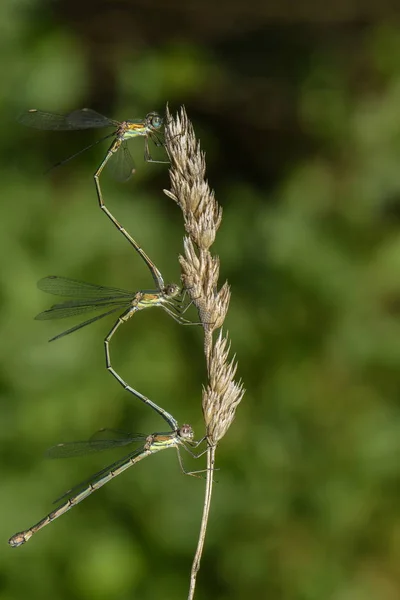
(88, 298)
(98, 442)
(120, 162)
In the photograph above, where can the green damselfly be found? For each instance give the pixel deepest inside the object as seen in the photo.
(89, 297)
(118, 153)
(181, 437)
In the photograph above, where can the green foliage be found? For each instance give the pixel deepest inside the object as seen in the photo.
(307, 501)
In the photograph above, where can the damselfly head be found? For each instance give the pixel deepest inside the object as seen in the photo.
(154, 120)
(186, 432)
(171, 290)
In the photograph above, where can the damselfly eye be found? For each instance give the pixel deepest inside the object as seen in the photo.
(187, 432)
(172, 289)
(156, 121)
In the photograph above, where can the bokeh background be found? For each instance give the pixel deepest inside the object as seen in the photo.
(298, 109)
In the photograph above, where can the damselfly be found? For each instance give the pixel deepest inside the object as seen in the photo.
(153, 443)
(122, 162)
(89, 298)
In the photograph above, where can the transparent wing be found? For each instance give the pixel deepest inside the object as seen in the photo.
(78, 119)
(107, 433)
(44, 120)
(96, 476)
(80, 325)
(67, 309)
(121, 164)
(71, 449)
(117, 434)
(64, 286)
(86, 118)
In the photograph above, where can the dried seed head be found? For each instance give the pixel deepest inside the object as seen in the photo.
(223, 394)
(200, 270)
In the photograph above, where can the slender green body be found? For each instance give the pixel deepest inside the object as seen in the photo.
(128, 130)
(154, 443)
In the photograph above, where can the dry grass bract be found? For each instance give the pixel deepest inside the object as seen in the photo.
(200, 272)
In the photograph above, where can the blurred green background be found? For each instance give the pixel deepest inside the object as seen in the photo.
(298, 111)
